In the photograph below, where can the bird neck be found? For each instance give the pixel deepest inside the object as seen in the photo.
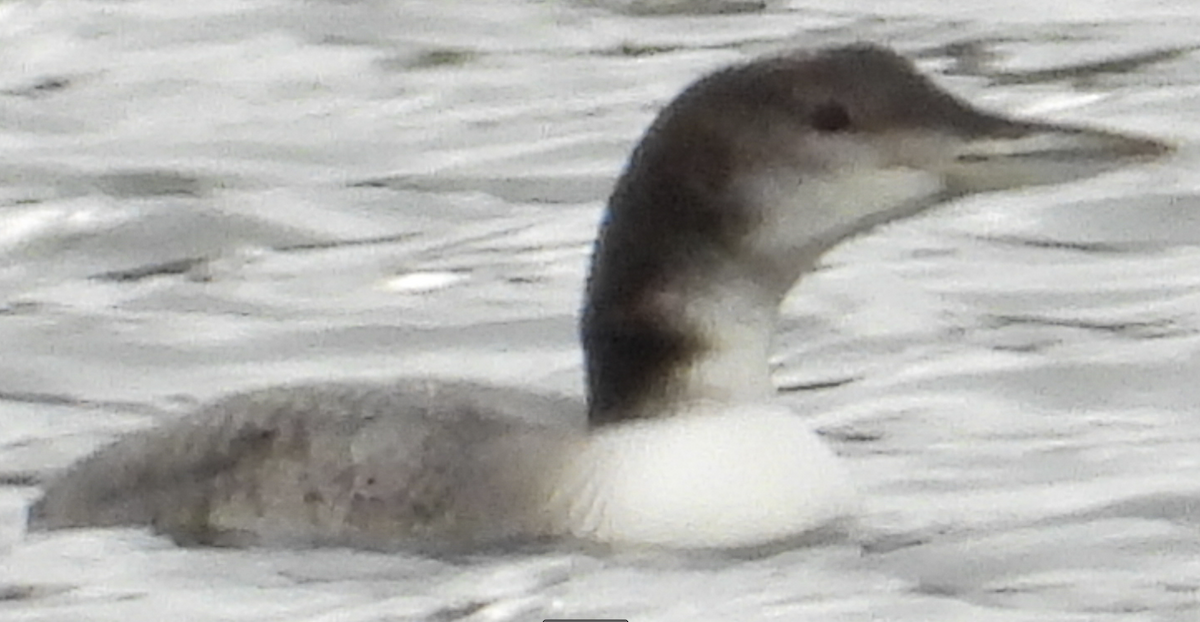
(678, 308)
(689, 271)
(653, 350)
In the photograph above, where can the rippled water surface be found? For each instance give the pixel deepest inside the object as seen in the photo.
(202, 197)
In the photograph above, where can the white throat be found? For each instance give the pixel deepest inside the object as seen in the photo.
(735, 320)
(735, 312)
(802, 218)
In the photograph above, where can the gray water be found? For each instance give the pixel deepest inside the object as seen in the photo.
(197, 198)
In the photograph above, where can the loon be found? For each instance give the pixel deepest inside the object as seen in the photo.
(734, 192)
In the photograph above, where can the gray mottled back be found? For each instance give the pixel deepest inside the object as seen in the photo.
(380, 466)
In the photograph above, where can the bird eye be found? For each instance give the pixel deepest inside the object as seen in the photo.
(830, 117)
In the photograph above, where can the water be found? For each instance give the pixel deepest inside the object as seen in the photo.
(199, 198)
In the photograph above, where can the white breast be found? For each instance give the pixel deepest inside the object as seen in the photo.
(731, 477)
